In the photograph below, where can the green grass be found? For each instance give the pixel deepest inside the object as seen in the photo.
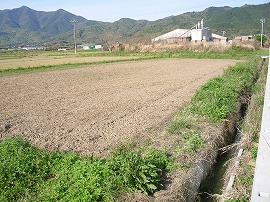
(254, 151)
(17, 54)
(242, 199)
(193, 141)
(29, 174)
(217, 98)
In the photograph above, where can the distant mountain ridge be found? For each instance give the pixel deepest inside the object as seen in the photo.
(22, 26)
(55, 22)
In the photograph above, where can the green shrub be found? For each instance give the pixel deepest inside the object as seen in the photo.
(140, 171)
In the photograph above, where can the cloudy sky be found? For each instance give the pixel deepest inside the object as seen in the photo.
(112, 10)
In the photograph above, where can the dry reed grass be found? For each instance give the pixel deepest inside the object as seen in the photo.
(187, 46)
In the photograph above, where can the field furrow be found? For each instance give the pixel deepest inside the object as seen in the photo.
(94, 108)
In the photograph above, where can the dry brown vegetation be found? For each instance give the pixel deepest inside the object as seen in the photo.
(164, 46)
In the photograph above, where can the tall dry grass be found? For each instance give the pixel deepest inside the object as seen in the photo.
(187, 46)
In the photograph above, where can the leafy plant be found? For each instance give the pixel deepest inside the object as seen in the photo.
(174, 127)
(34, 175)
(22, 167)
(140, 171)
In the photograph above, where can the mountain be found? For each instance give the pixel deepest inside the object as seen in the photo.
(26, 26)
(237, 21)
(243, 20)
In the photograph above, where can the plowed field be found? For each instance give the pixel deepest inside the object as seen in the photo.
(94, 108)
(54, 60)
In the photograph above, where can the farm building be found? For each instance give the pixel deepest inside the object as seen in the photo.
(244, 39)
(196, 33)
(180, 34)
(218, 38)
(201, 34)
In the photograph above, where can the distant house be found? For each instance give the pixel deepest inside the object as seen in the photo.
(84, 46)
(98, 47)
(248, 38)
(219, 38)
(32, 48)
(88, 47)
(186, 35)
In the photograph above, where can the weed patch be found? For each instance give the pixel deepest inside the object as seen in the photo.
(22, 167)
(193, 141)
(30, 174)
(217, 98)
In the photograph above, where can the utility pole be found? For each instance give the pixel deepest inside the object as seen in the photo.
(74, 25)
(262, 22)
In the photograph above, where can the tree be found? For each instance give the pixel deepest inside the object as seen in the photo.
(258, 38)
(109, 39)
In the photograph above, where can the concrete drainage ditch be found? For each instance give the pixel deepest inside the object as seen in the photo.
(206, 182)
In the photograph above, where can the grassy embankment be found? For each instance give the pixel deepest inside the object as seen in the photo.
(209, 108)
(27, 173)
(250, 130)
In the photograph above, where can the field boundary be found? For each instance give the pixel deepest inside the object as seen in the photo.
(17, 70)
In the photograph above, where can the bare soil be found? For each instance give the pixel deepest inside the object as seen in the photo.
(93, 109)
(35, 61)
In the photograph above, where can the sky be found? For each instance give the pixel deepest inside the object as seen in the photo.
(113, 10)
